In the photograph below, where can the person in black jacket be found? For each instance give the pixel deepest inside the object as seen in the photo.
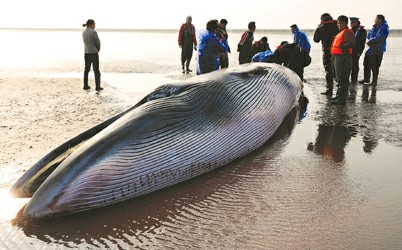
(325, 32)
(222, 34)
(360, 38)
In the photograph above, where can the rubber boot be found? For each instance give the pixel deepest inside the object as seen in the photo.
(341, 100)
(336, 96)
(328, 92)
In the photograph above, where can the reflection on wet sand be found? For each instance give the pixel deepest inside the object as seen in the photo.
(334, 132)
(339, 124)
(369, 116)
(331, 141)
(137, 221)
(366, 93)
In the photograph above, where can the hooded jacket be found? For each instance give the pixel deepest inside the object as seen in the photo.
(208, 48)
(377, 39)
(326, 32)
(301, 40)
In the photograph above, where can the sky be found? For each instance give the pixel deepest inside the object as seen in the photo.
(170, 14)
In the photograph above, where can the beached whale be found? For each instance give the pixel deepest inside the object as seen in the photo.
(175, 133)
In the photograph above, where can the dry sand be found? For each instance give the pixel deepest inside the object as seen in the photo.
(38, 114)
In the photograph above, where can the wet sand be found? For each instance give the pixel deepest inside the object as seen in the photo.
(331, 181)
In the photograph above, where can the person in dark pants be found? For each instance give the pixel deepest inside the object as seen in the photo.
(92, 48)
(325, 32)
(186, 40)
(222, 34)
(341, 51)
(245, 46)
(377, 43)
(360, 41)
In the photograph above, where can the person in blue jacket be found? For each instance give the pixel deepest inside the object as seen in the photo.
(300, 39)
(209, 47)
(302, 44)
(377, 45)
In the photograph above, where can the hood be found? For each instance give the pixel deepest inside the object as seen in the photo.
(328, 21)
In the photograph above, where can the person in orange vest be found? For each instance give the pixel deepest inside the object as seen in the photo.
(341, 51)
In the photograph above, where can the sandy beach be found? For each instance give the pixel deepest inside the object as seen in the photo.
(38, 114)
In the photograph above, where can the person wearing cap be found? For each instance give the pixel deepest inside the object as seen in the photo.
(360, 38)
(187, 39)
(245, 46)
(325, 33)
(377, 45)
(209, 48)
(92, 48)
(222, 34)
(341, 51)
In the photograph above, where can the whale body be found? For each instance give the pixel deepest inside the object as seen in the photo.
(177, 132)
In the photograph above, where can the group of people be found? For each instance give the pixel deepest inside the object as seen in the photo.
(342, 48)
(213, 48)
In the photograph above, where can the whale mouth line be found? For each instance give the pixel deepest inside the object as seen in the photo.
(176, 132)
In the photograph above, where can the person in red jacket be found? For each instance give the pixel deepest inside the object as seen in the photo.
(245, 46)
(341, 51)
(186, 40)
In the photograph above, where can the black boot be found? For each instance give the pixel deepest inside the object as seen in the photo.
(182, 67)
(336, 96)
(328, 92)
(98, 87)
(341, 100)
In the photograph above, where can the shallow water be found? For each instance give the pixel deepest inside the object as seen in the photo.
(332, 181)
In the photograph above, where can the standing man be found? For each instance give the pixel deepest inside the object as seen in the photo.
(222, 34)
(245, 46)
(360, 41)
(377, 43)
(325, 32)
(341, 51)
(303, 45)
(186, 40)
(92, 48)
